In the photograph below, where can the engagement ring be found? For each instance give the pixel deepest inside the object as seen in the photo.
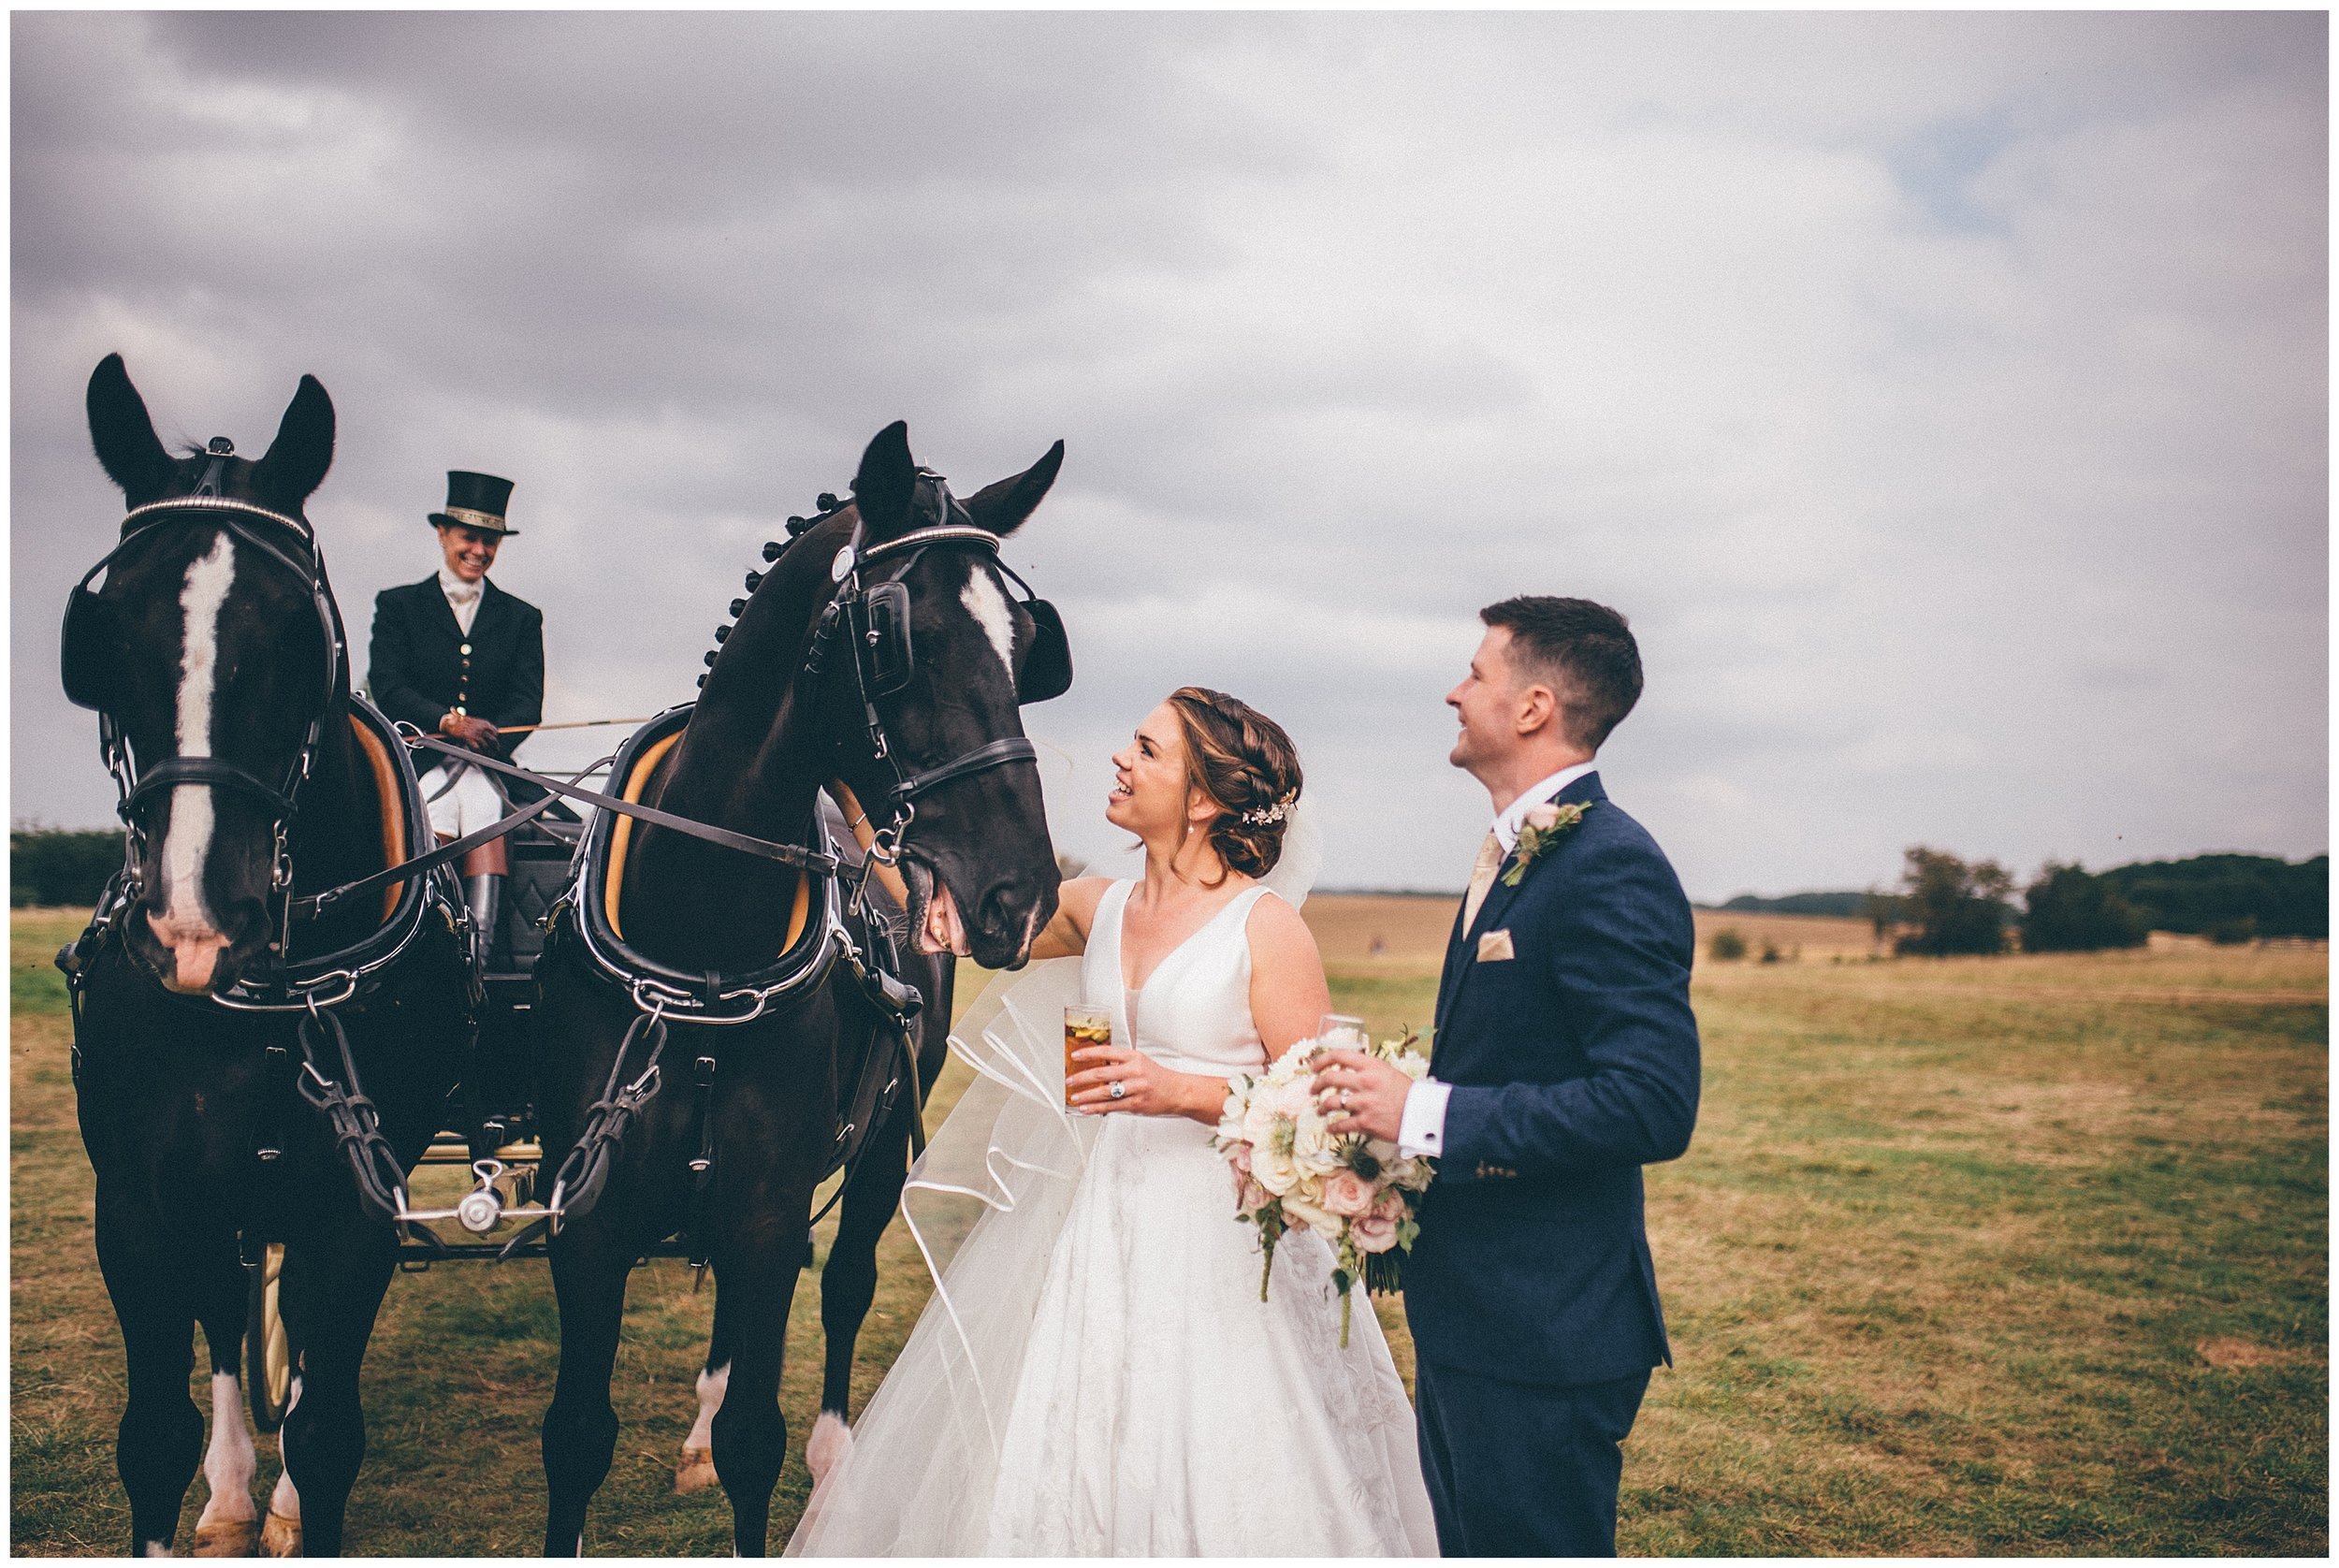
(1119, 1088)
(1344, 1099)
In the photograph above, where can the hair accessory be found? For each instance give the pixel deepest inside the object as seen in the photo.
(1262, 816)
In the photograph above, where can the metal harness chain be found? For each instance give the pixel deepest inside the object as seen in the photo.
(576, 1187)
(357, 1125)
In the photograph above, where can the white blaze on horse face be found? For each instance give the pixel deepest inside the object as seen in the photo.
(988, 605)
(231, 1462)
(187, 927)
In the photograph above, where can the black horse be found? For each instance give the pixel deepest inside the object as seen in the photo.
(882, 653)
(251, 778)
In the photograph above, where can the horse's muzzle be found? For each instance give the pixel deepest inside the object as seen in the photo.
(192, 957)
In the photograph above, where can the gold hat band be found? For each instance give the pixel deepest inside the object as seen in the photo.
(469, 519)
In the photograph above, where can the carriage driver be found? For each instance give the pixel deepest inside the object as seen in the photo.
(456, 655)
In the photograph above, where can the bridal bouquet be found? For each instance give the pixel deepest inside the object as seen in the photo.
(1292, 1168)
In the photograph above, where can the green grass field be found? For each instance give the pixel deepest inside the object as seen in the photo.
(2010, 1256)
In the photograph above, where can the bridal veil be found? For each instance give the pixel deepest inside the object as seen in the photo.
(985, 1204)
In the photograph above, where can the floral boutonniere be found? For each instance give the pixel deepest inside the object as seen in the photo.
(1542, 828)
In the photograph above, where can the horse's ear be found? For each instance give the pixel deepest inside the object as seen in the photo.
(881, 491)
(124, 434)
(297, 460)
(1001, 508)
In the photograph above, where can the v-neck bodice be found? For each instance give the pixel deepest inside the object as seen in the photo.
(1196, 1012)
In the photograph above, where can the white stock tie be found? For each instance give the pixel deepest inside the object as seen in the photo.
(1482, 872)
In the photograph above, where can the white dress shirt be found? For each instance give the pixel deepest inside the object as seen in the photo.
(462, 597)
(1422, 1128)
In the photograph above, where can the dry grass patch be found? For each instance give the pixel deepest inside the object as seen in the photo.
(2231, 1354)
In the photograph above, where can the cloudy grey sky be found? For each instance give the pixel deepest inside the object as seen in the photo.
(1942, 396)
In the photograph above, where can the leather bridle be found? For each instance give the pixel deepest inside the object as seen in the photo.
(263, 529)
(848, 617)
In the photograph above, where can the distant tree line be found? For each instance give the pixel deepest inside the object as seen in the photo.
(1957, 907)
(47, 865)
(2230, 897)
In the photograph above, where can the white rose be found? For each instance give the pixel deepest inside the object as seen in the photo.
(1298, 1211)
(1273, 1169)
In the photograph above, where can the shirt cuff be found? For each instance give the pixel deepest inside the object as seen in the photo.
(1422, 1128)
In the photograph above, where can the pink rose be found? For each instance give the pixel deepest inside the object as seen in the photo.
(1541, 817)
(1374, 1231)
(1239, 1157)
(1346, 1194)
(1252, 1198)
(1389, 1206)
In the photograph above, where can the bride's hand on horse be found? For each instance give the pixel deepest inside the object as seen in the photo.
(1066, 935)
(1147, 1088)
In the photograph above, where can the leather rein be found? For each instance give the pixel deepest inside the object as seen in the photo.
(884, 851)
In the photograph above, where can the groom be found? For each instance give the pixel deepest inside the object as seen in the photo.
(1566, 1058)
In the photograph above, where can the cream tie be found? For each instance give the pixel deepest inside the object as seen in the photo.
(1482, 872)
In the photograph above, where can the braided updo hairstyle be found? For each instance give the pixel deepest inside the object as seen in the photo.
(1241, 761)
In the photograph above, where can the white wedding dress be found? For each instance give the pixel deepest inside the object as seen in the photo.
(1096, 1375)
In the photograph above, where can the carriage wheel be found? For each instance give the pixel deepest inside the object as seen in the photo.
(268, 1350)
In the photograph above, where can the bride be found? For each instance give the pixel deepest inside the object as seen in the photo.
(1095, 1373)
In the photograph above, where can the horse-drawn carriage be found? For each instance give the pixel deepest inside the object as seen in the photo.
(282, 1014)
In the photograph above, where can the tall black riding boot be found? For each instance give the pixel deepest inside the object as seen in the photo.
(485, 895)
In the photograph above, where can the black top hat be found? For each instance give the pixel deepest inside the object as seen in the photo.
(475, 501)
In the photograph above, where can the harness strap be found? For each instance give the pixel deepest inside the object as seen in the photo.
(576, 1185)
(267, 1153)
(857, 1138)
(786, 854)
(1008, 749)
(310, 908)
(174, 771)
(355, 1124)
(700, 1229)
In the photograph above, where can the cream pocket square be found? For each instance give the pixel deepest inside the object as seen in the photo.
(1494, 946)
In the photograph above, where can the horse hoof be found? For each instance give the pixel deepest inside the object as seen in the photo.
(280, 1536)
(227, 1538)
(830, 1441)
(696, 1473)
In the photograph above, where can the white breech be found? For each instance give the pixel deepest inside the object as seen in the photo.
(471, 804)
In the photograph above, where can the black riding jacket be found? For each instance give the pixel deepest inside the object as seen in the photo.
(422, 664)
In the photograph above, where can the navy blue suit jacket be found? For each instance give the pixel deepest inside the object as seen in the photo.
(1573, 1063)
